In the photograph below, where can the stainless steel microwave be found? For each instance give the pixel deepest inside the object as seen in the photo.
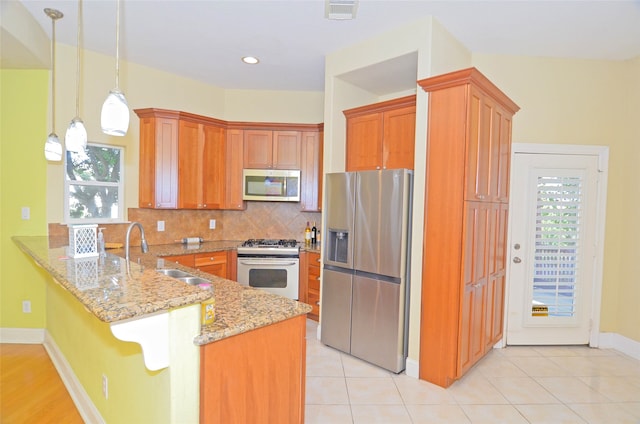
(274, 185)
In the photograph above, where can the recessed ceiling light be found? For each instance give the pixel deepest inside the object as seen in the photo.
(250, 60)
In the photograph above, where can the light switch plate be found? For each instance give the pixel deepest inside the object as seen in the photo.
(26, 212)
(160, 225)
(212, 224)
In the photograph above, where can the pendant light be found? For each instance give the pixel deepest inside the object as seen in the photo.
(53, 147)
(76, 138)
(114, 118)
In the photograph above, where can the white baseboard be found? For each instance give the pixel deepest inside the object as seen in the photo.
(620, 343)
(412, 368)
(86, 408)
(22, 335)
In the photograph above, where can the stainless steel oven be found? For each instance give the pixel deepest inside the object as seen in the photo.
(270, 265)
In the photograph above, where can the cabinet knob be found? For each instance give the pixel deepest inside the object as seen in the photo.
(318, 303)
(480, 196)
(517, 260)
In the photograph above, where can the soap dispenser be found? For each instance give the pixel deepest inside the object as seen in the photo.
(101, 247)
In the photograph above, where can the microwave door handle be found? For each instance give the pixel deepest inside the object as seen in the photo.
(268, 263)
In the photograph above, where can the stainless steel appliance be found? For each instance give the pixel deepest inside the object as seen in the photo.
(278, 185)
(271, 265)
(365, 276)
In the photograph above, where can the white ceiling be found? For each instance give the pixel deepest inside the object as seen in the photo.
(205, 39)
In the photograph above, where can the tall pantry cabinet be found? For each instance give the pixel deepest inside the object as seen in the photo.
(465, 226)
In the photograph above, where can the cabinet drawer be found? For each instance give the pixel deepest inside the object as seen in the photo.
(213, 258)
(314, 282)
(314, 301)
(186, 260)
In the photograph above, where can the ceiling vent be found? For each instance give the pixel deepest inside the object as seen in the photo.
(340, 9)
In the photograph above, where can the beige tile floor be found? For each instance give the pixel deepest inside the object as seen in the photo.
(555, 384)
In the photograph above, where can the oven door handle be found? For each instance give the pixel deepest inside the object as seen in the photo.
(268, 263)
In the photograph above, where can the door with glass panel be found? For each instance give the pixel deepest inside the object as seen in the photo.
(552, 248)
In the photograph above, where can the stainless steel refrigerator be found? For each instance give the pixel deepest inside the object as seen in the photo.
(366, 265)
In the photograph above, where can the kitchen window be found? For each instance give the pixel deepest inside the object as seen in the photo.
(94, 185)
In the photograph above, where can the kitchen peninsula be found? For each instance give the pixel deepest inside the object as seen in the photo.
(248, 364)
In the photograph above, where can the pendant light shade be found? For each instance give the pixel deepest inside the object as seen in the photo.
(76, 137)
(114, 117)
(53, 147)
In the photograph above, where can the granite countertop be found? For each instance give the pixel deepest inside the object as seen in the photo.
(112, 293)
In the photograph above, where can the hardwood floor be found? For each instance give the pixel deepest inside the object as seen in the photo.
(31, 390)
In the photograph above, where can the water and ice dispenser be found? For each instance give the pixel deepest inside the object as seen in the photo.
(338, 246)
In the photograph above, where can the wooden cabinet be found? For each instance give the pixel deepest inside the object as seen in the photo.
(234, 156)
(158, 185)
(201, 166)
(311, 278)
(466, 209)
(182, 160)
(266, 149)
(213, 263)
(382, 135)
(311, 171)
(255, 377)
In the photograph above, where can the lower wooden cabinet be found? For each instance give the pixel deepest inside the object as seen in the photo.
(313, 285)
(213, 263)
(216, 263)
(255, 377)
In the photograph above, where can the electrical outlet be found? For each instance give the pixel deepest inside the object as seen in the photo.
(105, 386)
(212, 224)
(160, 225)
(26, 306)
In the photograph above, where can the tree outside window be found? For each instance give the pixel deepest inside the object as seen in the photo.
(94, 185)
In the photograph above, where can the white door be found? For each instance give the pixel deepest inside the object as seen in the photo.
(554, 272)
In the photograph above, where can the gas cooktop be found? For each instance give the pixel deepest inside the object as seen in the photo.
(269, 247)
(270, 243)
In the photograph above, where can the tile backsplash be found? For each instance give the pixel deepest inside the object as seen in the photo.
(274, 220)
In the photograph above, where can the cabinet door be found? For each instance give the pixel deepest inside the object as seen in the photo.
(147, 169)
(258, 149)
(158, 163)
(233, 178)
(504, 158)
(479, 148)
(213, 167)
(311, 172)
(398, 145)
(497, 274)
(364, 142)
(313, 285)
(213, 263)
(286, 149)
(190, 166)
(232, 265)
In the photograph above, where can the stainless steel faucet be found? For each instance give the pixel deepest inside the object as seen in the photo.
(143, 242)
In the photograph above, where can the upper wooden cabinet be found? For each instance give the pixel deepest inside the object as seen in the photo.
(311, 171)
(266, 149)
(381, 135)
(489, 148)
(234, 156)
(190, 161)
(466, 212)
(181, 160)
(158, 186)
(201, 166)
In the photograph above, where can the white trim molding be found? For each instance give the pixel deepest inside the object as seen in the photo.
(22, 335)
(86, 408)
(620, 343)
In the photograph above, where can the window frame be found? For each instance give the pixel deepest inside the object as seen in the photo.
(120, 186)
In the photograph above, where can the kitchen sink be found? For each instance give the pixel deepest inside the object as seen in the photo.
(183, 276)
(175, 273)
(194, 281)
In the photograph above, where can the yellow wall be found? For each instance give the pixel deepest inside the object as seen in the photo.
(565, 101)
(23, 131)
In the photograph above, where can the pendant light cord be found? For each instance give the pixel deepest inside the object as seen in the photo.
(78, 62)
(117, 44)
(53, 75)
